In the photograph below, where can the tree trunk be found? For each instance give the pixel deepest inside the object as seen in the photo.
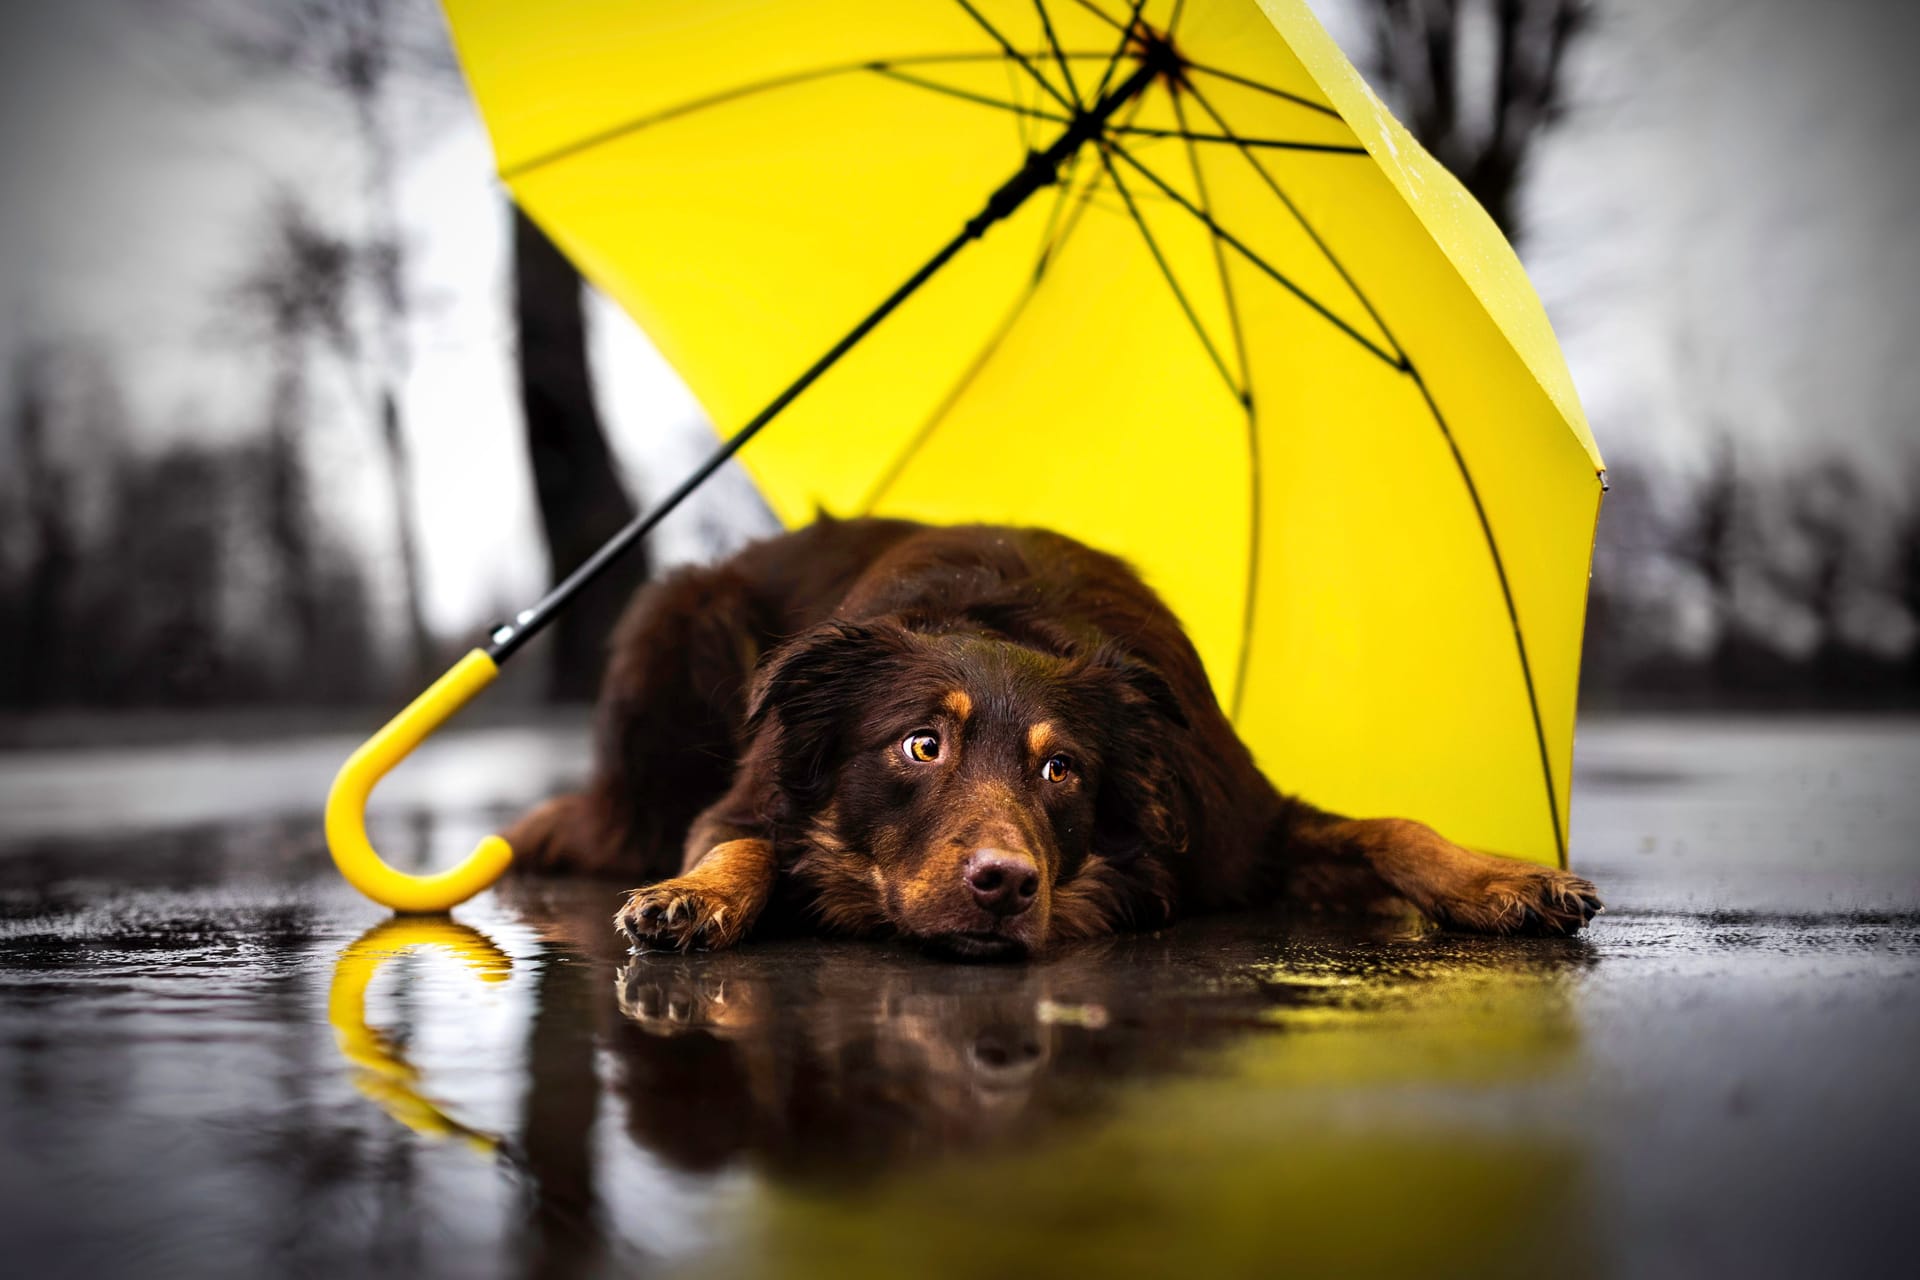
(389, 359)
(400, 471)
(39, 675)
(289, 517)
(582, 501)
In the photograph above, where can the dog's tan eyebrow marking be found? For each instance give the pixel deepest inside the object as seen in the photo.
(959, 704)
(1038, 738)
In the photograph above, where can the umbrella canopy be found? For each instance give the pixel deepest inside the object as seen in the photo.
(1165, 277)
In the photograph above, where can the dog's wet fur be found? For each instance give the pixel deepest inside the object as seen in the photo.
(984, 740)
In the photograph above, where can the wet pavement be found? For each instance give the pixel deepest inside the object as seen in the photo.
(216, 1060)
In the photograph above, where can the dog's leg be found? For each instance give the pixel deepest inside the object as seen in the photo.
(664, 747)
(1332, 857)
(712, 905)
(559, 835)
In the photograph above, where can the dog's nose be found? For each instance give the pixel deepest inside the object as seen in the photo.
(1004, 883)
(1005, 1051)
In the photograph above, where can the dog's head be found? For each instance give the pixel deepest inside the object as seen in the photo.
(973, 793)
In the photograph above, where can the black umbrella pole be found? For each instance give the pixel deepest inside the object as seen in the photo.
(1040, 171)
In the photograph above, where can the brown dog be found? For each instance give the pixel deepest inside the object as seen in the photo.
(982, 739)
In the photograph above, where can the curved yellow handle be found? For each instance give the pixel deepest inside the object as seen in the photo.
(381, 1070)
(347, 803)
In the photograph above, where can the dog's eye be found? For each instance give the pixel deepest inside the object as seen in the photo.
(1056, 769)
(921, 748)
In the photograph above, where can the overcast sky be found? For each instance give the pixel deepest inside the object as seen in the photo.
(1723, 232)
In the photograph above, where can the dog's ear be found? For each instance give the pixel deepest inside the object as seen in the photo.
(1144, 803)
(805, 694)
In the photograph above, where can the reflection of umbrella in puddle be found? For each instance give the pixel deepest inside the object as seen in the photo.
(380, 1070)
(1159, 274)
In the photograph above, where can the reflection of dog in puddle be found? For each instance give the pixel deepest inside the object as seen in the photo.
(819, 1058)
(672, 999)
(843, 1059)
(883, 1064)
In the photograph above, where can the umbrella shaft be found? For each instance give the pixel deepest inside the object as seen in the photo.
(1040, 171)
(1043, 167)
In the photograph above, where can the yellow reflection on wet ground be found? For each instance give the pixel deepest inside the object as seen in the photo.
(1232, 1097)
(379, 1066)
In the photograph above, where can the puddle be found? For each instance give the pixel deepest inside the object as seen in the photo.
(214, 1060)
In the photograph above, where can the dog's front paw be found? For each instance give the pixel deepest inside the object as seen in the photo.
(1520, 899)
(679, 915)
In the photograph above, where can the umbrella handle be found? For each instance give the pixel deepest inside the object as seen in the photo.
(364, 869)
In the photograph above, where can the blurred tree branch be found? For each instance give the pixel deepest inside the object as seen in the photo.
(1436, 60)
(362, 49)
(356, 47)
(299, 291)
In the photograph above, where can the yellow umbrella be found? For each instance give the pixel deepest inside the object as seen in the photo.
(1163, 276)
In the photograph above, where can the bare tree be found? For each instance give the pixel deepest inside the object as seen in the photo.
(298, 292)
(167, 557)
(357, 47)
(582, 501)
(363, 48)
(117, 586)
(1428, 61)
(32, 677)
(1709, 541)
(1906, 585)
(1826, 509)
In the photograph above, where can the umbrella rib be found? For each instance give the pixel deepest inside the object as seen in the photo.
(1100, 13)
(1173, 283)
(1028, 113)
(1278, 276)
(1250, 598)
(1048, 242)
(1050, 248)
(1018, 57)
(1039, 170)
(1059, 56)
(1273, 185)
(1126, 37)
(1173, 23)
(693, 105)
(1459, 460)
(1294, 98)
(1271, 144)
(1219, 257)
(968, 95)
(1020, 119)
(1506, 594)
